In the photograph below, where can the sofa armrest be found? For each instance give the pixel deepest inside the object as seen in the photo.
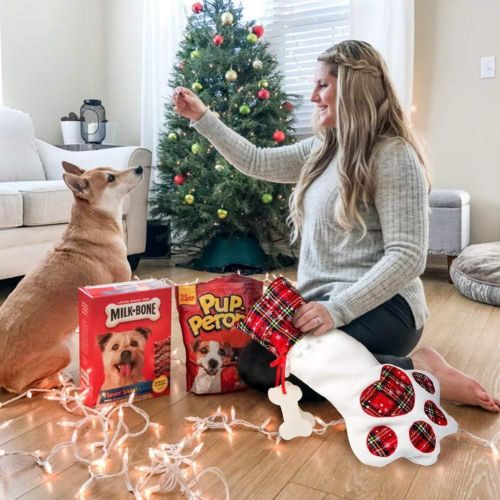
(52, 158)
(119, 159)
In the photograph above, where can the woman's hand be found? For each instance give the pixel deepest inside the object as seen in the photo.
(188, 104)
(314, 318)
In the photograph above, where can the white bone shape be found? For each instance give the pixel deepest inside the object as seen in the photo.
(295, 422)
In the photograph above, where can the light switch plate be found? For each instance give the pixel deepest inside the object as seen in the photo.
(488, 67)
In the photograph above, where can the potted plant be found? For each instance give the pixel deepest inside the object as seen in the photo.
(70, 127)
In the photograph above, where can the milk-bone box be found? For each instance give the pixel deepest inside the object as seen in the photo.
(125, 338)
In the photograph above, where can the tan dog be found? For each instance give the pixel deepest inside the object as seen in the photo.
(123, 357)
(42, 311)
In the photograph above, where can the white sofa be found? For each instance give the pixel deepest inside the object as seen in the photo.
(35, 204)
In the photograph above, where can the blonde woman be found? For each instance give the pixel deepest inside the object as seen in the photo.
(360, 206)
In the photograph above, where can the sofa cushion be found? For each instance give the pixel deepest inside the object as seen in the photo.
(11, 208)
(19, 160)
(476, 273)
(44, 202)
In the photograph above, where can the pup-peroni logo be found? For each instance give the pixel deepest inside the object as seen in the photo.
(120, 313)
(218, 313)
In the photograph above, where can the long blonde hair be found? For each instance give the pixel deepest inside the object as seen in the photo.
(368, 111)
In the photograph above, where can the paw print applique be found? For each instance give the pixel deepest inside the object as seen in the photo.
(407, 401)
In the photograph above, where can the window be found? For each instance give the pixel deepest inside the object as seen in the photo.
(1, 89)
(299, 30)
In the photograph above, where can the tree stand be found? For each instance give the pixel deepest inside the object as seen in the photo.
(236, 252)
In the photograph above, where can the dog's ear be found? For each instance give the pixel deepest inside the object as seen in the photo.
(143, 331)
(72, 169)
(103, 340)
(77, 185)
(196, 345)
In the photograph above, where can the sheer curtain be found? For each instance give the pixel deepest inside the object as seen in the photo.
(1, 88)
(163, 24)
(388, 25)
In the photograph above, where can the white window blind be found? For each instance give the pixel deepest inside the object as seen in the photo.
(1, 89)
(298, 31)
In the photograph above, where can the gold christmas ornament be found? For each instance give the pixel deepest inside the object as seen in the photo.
(221, 213)
(219, 167)
(252, 38)
(227, 19)
(197, 87)
(196, 148)
(257, 64)
(244, 109)
(231, 75)
(267, 198)
(189, 199)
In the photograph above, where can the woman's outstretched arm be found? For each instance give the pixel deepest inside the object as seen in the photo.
(281, 164)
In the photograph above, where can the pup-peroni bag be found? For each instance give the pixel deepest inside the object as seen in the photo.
(125, 332)
(208, 313)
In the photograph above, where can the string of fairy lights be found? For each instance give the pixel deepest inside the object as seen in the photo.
(171, 467)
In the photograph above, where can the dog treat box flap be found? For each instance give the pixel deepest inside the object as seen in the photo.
(208, 313)
(125, 333)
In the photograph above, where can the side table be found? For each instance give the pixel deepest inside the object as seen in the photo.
(86, 147)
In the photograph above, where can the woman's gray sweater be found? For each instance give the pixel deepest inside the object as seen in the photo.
(356, 276)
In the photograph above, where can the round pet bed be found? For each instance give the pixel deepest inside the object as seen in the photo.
(476, 273)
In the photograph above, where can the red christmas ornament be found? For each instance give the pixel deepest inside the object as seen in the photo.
(279, 136)
(197, 7)
(263, 94)
(288, 106)
(179, 179)
(258, 30)
(218, 39)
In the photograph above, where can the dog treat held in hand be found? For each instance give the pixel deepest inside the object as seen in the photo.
(125, 331)
(208, 313)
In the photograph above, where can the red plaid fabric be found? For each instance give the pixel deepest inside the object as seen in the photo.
(422, 436)
(424, 381)
(382, 441)
(434, 413)
(392, 395)
(270, 320)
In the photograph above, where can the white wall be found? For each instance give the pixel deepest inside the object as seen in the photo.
(52, 58)
(458, 113)
(122, 68)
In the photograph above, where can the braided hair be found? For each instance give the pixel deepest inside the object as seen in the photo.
(368, 113)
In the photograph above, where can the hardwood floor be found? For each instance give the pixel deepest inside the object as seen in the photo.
(319, 467)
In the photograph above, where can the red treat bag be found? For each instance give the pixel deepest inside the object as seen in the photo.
(208, 313)
(125, 340)
(270, 322)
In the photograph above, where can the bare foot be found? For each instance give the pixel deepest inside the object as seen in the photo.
(455, 385)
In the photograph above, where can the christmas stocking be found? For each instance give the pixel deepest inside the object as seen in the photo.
(389, 412)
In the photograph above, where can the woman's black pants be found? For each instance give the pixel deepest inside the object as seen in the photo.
(388, 332)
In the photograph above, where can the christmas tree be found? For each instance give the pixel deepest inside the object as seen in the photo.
(229, 65)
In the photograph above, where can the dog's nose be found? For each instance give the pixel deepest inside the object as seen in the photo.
(126, 357)
(213, 363)
(139, 170)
